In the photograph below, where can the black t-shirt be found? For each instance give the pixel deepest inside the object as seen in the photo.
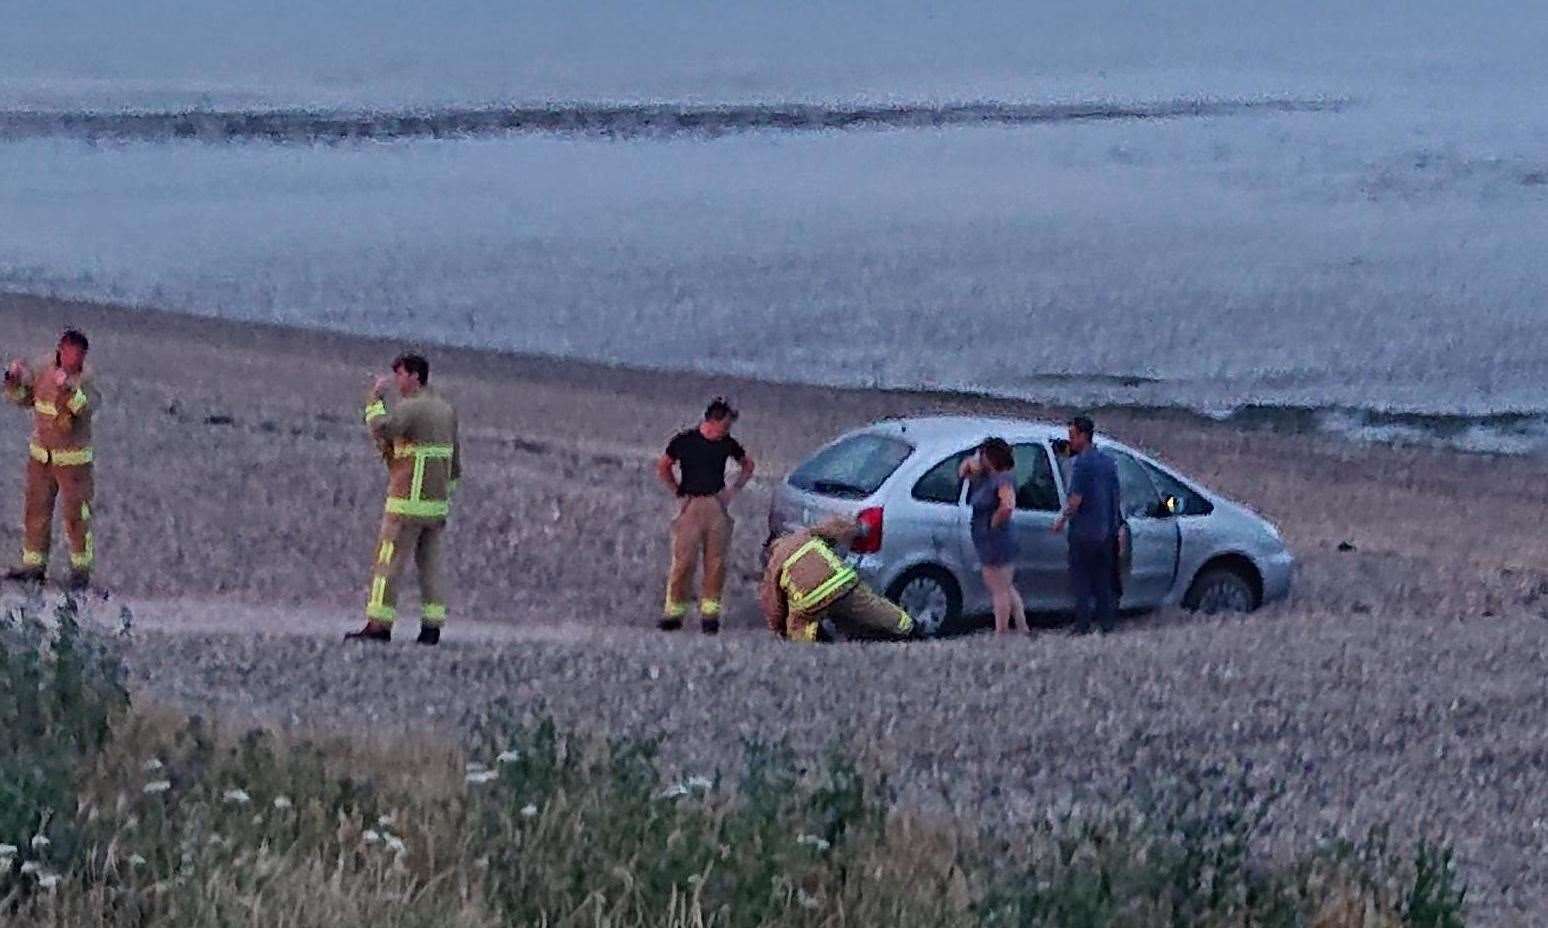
(703, 462)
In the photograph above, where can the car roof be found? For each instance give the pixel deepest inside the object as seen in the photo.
(956, 432)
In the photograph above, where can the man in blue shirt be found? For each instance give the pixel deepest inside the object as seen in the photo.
(1093, 516)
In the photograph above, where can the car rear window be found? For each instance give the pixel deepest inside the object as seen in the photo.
(854, 467)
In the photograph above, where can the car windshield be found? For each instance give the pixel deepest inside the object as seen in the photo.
(854, 467)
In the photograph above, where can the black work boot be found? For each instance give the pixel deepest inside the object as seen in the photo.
(709, 626)
(25, 574)
(79, 581)
(373, 631)
(670, 624)
(429, 634)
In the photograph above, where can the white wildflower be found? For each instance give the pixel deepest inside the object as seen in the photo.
(158, 786)
(48, 880)
(474, 767)
(31, 866)
(481, 776)
(152, 765)
(281, 802)
(396, 845)
(385, 821)
(529, 810)
(703, 784)
(807, 900)
(135, 860)
(675, 791)
(39, 842)
(509, 757)
(814, 841)
(7, 850)
(238, 796)
(371, 837)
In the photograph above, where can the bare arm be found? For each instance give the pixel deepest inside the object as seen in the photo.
(1071, 507)
(665, 471)
(746, 475)
(1007, 498)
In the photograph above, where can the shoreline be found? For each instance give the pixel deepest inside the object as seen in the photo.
(1502, 433)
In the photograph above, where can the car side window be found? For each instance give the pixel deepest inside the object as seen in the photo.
(1137, 494)
(1190, 503)
(1035, 487)
(940, 484)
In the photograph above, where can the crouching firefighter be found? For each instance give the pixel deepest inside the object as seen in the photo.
(417, 437)
(806, 583)
(62, 398)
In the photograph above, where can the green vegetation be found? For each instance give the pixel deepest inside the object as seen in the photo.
(112, 816)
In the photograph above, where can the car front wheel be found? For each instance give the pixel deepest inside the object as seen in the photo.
(1221, 589)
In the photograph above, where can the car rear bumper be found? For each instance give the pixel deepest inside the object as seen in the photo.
(1277, 572)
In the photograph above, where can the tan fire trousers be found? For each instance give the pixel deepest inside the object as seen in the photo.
(702, 528)
(72, 487)
(402, 538)
(859, 610)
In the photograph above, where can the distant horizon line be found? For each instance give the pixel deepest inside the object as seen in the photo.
(607, 120)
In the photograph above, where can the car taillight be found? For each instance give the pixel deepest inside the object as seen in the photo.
(870, 540)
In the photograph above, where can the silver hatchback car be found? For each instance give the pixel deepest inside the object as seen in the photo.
(899, 477)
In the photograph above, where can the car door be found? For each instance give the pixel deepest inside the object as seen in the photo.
(1153, 535)
(1042, 566)
(939, 516)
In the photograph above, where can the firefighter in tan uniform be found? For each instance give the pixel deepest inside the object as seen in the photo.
(417, 437)
(805, 582)
(693, 468)
(62, 398)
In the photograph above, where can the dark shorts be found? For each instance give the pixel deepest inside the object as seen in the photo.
(996, 547)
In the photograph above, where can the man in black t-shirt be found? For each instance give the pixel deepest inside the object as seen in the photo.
(694, 469)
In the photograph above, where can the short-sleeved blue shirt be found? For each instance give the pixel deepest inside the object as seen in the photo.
(1094, 478)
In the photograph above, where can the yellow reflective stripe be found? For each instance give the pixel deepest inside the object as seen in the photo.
(842, 575)
(710, 607)
(16, 393)
(77, 402)
(423, 508)
(675, 610)
(375, 411)
(377, 608)
(807, 632)
(828, 587)
(33, 558)
(429, 452)
(434, 612)
(43, 408)
(417, 488)
(62, 458)
(384, 555)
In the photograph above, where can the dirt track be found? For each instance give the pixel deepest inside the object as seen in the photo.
(1402, 682)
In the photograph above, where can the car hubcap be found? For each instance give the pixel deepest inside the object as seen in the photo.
(926, 600)
(1226, 596)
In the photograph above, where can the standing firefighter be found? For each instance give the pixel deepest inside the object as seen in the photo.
(62, 398)
(806, 582)
(703, 522)
(418, 439)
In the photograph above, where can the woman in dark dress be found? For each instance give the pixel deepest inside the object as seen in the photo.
(991, 476)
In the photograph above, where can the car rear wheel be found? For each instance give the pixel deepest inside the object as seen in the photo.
(1221, 589)
(931, 596)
